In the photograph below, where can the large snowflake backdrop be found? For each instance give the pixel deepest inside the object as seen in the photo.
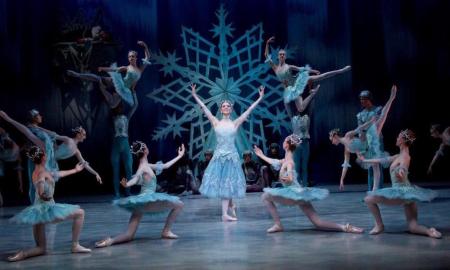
(221, 71)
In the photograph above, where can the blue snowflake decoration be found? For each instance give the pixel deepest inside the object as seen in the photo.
(227, 71)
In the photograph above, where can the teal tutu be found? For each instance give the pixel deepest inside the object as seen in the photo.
(120, 87)
(223, 178)
(298, 193)
(138, 202)
(292, 92)
(46, 212)
(407, 192)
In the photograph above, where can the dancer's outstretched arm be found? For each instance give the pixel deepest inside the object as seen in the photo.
(439, 153)
(205, 109)
(360, 128)
(25, 131)
(146, 52)
(244, 116)
(267, 54)
(114, 69)
(302, 104)
(345, 167)
(386, 108)
(261, 155)
(87, 166)
(78, 168)
(388, 159)
(181, 151)
(55, 135)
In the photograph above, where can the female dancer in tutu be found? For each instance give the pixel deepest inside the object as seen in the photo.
(224, 178)
(45, 210)
(402, 191)
(147, 201)
(124, 86)
(295, 85)
(360, 145)
(293, 194)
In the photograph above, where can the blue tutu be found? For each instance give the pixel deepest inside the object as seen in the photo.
(139, 202)
(123, 85)
(292, 92)
(224, 178)
(298, 193)
(46, 212)
(404, 190)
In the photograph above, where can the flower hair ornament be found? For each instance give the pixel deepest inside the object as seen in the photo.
(226, 101)
(408, 135)
(334, 132)
(34, 152)
(77, 129)
(294, 139)
(137, 147)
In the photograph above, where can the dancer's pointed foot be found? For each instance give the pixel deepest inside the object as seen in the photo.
(77, 248)
(377, 229)
(104, 243)
(348, 228)
(227, 218)
(17, 257)
(346, 68)
(169, 235)
(432, 232)
(275, 228)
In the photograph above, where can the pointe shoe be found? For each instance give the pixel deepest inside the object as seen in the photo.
(432, 232)
(348, 228)
(169, 235)
(17, 257)
(104, 243)
(346, 68)
(232, 210)
(377, 230)
(77, 248)
(275, 228)
(226, 218)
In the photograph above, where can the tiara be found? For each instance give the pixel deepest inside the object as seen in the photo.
(34, 113)
(34, 152)
(227, 101)
(334, 132)
(139, 150)
(406, 136)
(77, 129)
(294, 139)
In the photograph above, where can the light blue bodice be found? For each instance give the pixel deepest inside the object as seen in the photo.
(300, 126)
(397, 182)
(226, 136)
(65, 150)
(131, 77)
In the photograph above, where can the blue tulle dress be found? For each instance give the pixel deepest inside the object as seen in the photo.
(45, 211)
(147, 196)
(224, 178)
(294, 191)
(294, 85)
(403, 189)
(123, 85)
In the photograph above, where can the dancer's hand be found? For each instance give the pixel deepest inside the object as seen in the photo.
(101, 69)
(315, 90)
(257, 150)
(181, 150)
(123, 182)
(80, 166)
(261, 91)
(4, 116)
(193, 88)
(393, 91)
(142, 43)
(271, 39)
(99, 179)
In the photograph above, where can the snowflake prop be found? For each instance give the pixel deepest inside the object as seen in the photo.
(224, 71)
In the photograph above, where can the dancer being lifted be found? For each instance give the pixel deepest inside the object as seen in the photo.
(147, 201)
(368, 131)
(293, 194)
(295, 85)
(224, 178)
(124, 86)
(402, 191)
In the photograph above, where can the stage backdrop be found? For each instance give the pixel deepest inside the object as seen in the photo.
(219, 45)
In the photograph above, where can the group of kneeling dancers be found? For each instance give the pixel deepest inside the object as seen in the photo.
(224, 177)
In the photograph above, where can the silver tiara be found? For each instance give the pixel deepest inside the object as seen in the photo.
(406, 136)
(140, 150)
(294, 139)
(77, 129)
(227, 101)
(34, 152)
(334, 132)
(34, 112)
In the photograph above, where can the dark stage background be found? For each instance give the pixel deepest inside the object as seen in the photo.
(386, 42)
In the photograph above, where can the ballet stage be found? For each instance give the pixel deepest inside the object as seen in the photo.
(207, 243)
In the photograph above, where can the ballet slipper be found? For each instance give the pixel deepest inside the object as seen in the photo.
(377, 230)
(226, 218)
(432, 232)
(104, 243)
(169, 235)
(275, 228)
(77, 248)
(348, 228)
(17, 257)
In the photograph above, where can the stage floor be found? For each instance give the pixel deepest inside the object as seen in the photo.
(207, 243)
